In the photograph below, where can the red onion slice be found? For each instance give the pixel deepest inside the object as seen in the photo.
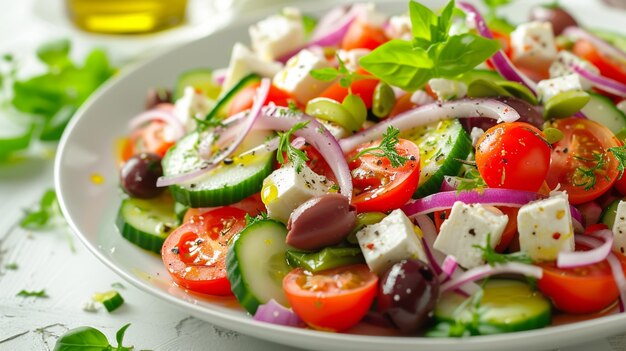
(500, 61)
(598, 43)
(435, 112)
(585, 258)
(481, 272)
(448, 268)
(159, 115)
(253, 116)
(607, 84)
(429, 232)
(275, 313)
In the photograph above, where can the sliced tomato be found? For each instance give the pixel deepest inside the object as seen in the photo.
(252, 205)
(608, 66)
(362, 35)
(334, 299)
(579, 290)
(152, 138)
(583, 148)
(513, 156)
(245, 98)
(195, 253)
(380, 187)
(317, 163)
(363, 88)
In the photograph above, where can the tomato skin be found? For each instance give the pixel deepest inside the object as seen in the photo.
(608, 66)
(378, 187)
(363, 88)
(183, 252)
(150, 138)
(582, 139)
(580, 290)
(252, 205)
(245, 98)
(513, 156)
(362, 35)
(331, 307)
(620, 184)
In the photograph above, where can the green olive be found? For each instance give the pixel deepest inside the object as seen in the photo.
(565, 104)
(383, 101)
(519, 91)
(362, 220)
(485, 88)
(332, 111)
(552, 135)
(355, 105)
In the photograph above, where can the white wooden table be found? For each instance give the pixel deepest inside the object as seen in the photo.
(55, 261)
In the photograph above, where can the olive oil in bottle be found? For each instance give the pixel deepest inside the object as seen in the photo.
(126, 16)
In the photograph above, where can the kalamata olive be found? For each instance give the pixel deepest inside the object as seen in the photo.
(528, 113)
(139, 175)
(156, 97)
(321, 221)
(407, 294)
(557, 16)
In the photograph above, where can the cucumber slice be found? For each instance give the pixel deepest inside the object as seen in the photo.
(220, 111)
(111, 300)
(485, 74)
(256, 264)
(507, 306)
(441, 145)
(609, 213)
(225, 184)
(602, 110)
(146, 223)
(199, 78)
(180, 210)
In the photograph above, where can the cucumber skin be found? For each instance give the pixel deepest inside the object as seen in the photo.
(238, 285)
(449, 167)
(222, 104)
(137, 237)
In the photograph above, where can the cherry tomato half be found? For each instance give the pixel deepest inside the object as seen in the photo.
(252, 205)
(362, 35)
(334, 299)
(245, 98)
(580, 162)
(195, 253)
(513, 156)
(609, 67)
(380, 187)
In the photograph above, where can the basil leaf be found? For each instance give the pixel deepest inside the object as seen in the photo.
(119, 336)
(40, 218)
(462, 53)
(325, 74)
(445, 21)
(398, 63)
(82, 339)
(55, 53)
(422, 20)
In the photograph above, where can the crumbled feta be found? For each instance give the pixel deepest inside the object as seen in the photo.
(91, 306)
(390, 241)
(243, 62)
(467, 226)
(420, 97)
(192, 104)
(351, 58)
(545, 228)
(447, 89)
(278, 35)
(295, 78)
(286, 189)
(561, 66)
(399, 27)
(335, 129)
(619, 229)
(533, 45)
(549, 88)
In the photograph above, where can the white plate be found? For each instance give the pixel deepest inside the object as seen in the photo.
(87, 149)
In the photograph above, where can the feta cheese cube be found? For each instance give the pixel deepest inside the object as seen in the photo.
(285, 189)
(243, 62)
(351, 58)
(278, 35)
(335, 129)
(545, 228)
(390, 241)
(447, 89)
(533, 45)
(192, 104)
(549, 88)
(470, 225)
(369, 15)
(621, 106)
(399, 27)
(561, 65)
(619, 229)
(295, 77)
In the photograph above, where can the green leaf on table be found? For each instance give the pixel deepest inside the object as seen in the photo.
(41, 217)
(25, 293)
(12, 266)
(55, 54)
(119, 336)
(494, 4)
(90, 339)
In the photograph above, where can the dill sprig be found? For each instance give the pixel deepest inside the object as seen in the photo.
(386, 148)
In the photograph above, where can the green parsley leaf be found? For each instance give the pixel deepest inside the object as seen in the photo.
(297, 157)
(11, 266)
(494, 4)
(25, 293)
(620, 154)
(493, 258)
(47, 210)
(386, 148)
(55, 54)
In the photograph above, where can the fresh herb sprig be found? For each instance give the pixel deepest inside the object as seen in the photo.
(432, 53)
(619, 152)
(43, 216)
(345, 76)
(494, 258)
(25, 293)
(296, 156)
(250, 220)
(386, 148)
(88, 338)
(587, 175)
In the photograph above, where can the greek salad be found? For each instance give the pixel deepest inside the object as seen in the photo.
(436, 172)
